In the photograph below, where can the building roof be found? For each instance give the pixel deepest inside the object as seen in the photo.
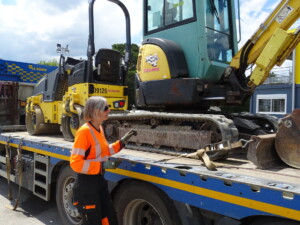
(23, 72)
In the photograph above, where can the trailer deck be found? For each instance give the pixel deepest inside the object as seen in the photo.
(237, 188)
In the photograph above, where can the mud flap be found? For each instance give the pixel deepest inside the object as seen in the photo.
(261, 151)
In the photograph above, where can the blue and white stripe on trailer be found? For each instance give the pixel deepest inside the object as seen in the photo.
(236, 200)
(56, 151)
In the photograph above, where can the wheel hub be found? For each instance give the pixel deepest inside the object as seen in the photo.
(68, 202)
(74, 122)
(141, 212)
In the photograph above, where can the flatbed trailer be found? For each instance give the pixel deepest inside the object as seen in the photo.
(152, 188)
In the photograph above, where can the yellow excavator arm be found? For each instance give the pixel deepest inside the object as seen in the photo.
(270, 45)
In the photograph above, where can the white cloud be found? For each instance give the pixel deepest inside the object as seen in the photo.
(30, 30)
(253, 13)
(110, 23)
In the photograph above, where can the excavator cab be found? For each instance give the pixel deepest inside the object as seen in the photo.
(206, 33)
(187, 46)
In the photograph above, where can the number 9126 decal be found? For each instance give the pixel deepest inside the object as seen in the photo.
(100, 90)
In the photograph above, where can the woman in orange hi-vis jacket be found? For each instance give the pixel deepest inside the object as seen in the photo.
(89, 155)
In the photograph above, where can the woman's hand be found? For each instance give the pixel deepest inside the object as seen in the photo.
(127, 136)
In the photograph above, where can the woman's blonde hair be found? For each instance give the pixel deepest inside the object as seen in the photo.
(93, 104)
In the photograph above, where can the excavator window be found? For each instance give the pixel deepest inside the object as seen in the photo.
(218, 30)
(162, 14)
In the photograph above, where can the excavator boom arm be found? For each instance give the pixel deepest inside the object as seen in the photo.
(271, 44)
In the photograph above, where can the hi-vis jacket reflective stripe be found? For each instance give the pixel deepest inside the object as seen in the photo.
(89, 139)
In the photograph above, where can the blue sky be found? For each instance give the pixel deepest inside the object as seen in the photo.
(30, 30)
(8, 2)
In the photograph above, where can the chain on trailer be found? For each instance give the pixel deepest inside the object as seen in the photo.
(18, 169)
(8, 167)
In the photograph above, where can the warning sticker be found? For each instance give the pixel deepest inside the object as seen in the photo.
(284, 13)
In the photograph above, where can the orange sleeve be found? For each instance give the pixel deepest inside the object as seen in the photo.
(78, 161)
(115, 147)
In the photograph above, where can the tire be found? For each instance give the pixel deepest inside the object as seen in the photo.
(69, 126)
(64, 197)
(274, 221)
(138, 203)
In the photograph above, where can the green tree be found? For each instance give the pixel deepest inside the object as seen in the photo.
(134, 52)
(52, 62)
(131, 71)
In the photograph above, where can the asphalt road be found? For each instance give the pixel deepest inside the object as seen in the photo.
(32, 211)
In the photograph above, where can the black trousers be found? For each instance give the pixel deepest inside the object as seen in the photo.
(92, 199)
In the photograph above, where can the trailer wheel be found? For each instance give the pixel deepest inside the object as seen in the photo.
(138, 203)
(64, 197)
(274, 221)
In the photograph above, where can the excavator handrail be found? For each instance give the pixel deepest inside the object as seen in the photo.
(239, 20)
